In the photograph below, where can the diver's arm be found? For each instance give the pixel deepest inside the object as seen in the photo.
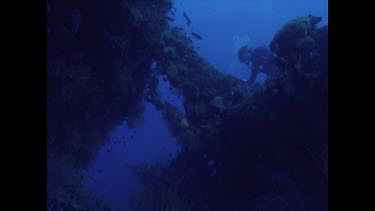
(253, 76)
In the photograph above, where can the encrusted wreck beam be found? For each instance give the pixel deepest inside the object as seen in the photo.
(208, 93)
(211, 97)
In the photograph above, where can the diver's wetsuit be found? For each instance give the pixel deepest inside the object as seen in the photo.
(260, 58)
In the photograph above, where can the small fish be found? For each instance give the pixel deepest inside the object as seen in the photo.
(187, 19)
(179, 28)
(197, 36)
(170, 19)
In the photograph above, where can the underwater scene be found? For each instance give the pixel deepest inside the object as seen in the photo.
(187, 105)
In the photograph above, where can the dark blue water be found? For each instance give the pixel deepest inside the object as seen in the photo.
(224, 25)
(150, 143)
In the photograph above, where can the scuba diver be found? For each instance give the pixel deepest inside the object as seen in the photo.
(258, 59)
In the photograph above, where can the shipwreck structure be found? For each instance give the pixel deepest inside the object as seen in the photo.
(243, 147)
